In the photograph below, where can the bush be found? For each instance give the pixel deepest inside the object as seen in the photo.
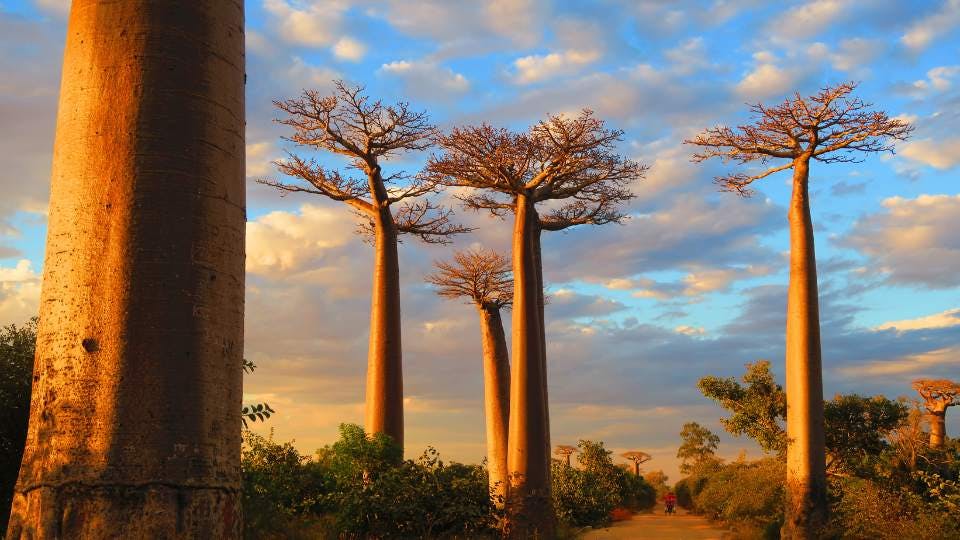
(748, 494)
(588, 495)
(360, 487)
(866, 509)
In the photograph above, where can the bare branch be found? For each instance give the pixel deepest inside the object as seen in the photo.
(482, 275)
(429, 222)
(830, 126)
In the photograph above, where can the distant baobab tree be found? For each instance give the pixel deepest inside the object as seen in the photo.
(483, 277)
(564, 451)
(831, 126)
(938, 395)
(637, 458)
(570, 164)
(134, 428)
(348, 123)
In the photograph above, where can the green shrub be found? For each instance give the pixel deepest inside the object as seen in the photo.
(586, 496)
(745, 493)
(866, 509)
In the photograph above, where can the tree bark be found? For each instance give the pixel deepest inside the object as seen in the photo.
(384, 405)
(529, 505)
(806, 508)
(496, 393)
(134, 428)
(636, 468)
(938, 428)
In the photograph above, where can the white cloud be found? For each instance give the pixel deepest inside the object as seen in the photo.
(765, 81)
(944, 319)
(536, 68)
(288, 242)
(260, 156)
(347, 48)
(912, 241)
(922, 33)
(855, 54)
(939, 78)
(426, 79)
(19, 293)
(939, 154)
(807, 19)
(314, 24)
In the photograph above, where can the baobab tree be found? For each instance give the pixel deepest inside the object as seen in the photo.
(482, 276)
(571, 165)
(938, 395)
(565, 451)
(831, 126)
(134, 429)
(365, 132)
(637, 457)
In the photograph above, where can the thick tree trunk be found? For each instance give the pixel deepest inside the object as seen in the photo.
(938, 428)
(529, 504)
(496, 398)
(806, 508)
(384, 412)
(135, 428)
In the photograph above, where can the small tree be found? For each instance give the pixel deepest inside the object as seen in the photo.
(564, 451)
(572, 164)
(483, 277)
(758, 406)
(17, 347)
(637, 458)
(938, 395)
(349, 124)
(697, 445)
(831, 126)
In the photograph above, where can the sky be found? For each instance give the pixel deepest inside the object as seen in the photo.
(693, 283)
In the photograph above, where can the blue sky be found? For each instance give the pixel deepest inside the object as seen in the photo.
(692, 284)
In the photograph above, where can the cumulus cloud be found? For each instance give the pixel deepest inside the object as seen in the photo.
(766, 80)
(912, 241)
(426, 79)
(19, 292)
(807, 19)
(313, 24)
(923, 32)
(283, 243)
(940, 154)
(347, 48)
(536, 68)
(57, 7)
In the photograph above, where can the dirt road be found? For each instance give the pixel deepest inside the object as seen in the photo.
(658, 526)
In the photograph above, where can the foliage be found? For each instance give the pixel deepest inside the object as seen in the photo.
(864, 508)
(856, 430)
(360, 487)
(744, 493)
(658, 481)
(758, 406)
(587, 495)
(254, 411)
(698, 444)
(17, 347)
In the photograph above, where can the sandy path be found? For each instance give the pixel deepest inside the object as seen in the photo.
(657, 525)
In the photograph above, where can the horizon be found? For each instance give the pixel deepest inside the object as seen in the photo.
(692, 285)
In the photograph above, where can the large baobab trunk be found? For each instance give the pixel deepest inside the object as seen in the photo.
(384, 412)
(496, 394)
(806, 454)
(528, 461)
(938, 427)
(134, 428)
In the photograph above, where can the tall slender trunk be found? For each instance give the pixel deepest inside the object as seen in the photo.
(636, 468)
(938, 427)
(538, 261)
(529, 504)
(496, 397)
(806, 508)
(134, 428)
(384, 412)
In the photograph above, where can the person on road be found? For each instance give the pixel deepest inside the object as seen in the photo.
(670, 502)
